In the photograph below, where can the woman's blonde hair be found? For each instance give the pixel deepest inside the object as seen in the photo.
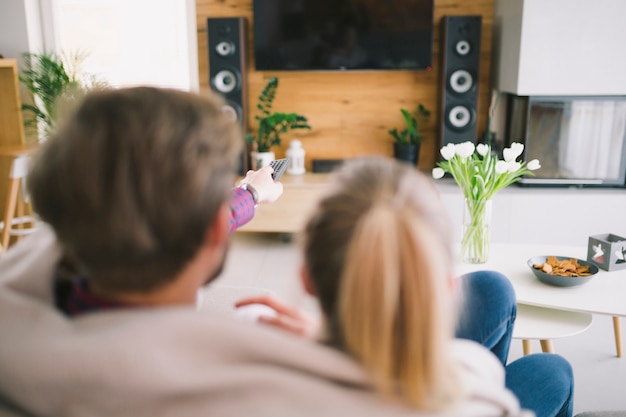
(377, 251)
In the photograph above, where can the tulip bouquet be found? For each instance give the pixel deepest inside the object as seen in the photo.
(480, 174)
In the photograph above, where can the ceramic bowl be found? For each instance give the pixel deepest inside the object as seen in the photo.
(559, 280)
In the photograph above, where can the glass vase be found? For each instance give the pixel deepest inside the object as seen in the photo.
(476, 231)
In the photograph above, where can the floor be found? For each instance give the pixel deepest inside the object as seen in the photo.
(271, 261)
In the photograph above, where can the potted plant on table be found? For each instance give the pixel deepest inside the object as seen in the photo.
(407, 141)
(271, 126)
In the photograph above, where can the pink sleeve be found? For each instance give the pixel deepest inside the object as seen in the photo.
(241, 208)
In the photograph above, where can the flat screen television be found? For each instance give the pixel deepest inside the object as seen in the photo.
(329, 35)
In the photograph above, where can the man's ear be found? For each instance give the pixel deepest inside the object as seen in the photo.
(306, 281)
(218, 232)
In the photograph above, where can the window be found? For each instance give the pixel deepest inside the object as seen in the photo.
(126, 43)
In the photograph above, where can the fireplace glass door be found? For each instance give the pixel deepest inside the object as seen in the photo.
(578, 140)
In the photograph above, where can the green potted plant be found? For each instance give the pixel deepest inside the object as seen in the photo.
(52, 80)
(408, 140)
(271, 125)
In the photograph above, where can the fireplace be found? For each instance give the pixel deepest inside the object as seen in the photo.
(578, 140)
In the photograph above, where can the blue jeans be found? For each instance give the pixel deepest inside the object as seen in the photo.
(543, 382)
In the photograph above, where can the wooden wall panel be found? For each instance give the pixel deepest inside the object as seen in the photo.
(351, 112)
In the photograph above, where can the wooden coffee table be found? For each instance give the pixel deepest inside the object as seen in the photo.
(604, 294)
(290, 211)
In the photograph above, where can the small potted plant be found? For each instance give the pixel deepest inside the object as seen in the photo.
(271, 126)
(407, 141)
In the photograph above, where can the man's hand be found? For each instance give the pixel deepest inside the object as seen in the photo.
(288, 318)
(262, 181)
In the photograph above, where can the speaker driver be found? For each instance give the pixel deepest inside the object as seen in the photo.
(461, 81)
(225, 48)
(232, 111)
(459, 117)
(225, 81)
(463, 48)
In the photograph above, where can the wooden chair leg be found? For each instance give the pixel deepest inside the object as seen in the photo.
(527, 347)
(617, 329)
(19, 210)
(546, 346)
(9, 211)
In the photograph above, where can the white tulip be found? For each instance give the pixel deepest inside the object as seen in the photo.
(482, 149)
(464, 150)
(513, 166)
(518, 148)
(533, 165)
(438, 173)
(501, 167)
(511, 154)
(447, 152)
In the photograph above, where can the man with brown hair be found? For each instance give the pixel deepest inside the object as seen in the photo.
(130, 185)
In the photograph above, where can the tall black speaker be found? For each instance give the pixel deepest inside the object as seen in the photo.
(460, 50)
(226, 38)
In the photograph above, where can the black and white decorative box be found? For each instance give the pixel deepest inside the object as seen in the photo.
(607, 251)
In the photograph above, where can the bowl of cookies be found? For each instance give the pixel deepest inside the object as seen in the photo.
(562, 271)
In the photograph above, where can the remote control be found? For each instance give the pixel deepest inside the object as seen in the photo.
(279, 165)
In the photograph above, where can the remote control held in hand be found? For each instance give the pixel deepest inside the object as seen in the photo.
(279, 166)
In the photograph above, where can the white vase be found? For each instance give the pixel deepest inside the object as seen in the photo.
(262, 159)
(295, 153)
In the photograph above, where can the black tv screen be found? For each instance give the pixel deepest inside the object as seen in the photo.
(343, 34)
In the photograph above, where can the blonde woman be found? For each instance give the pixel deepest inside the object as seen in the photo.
(377, 255)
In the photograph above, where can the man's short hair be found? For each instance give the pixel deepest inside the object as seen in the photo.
(133, 178)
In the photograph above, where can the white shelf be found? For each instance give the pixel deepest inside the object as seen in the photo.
(538, 215)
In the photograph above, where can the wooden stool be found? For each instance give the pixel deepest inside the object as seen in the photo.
(15, 222)
(545, 324)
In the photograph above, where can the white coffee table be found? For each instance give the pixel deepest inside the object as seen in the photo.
(546, 324)
(604, 294)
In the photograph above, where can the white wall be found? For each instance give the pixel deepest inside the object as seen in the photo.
(20, 28)
(560, 47)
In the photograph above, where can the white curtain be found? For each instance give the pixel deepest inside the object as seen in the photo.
(592, 139)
